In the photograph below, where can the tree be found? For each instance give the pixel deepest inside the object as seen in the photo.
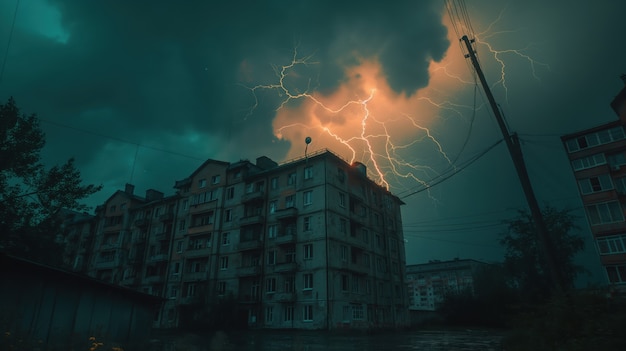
(31, 196)
(525, 259)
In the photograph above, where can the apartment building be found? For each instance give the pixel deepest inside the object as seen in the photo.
(428, 283)
(308, 244)
(598, 160)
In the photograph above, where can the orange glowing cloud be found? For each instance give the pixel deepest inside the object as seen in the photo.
(364, 120)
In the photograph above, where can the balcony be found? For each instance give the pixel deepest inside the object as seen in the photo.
(167, 217)
(285, 297)
(104, 264)
(253, 196)
(248, 271)
(255, 219)
(287, 213)
(211, 205)
(107, 245)
(285, 267)
(249, 245)
(153, 279)
(142, 222)
(248, 298)
(200, 229)
(158, 257)
(285, 239)
(194, 276)
(198, 252)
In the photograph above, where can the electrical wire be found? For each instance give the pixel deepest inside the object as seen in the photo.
(6, 52)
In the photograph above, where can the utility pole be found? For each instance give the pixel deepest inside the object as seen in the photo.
(512, 143)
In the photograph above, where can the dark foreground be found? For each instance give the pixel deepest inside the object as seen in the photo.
(465, 340)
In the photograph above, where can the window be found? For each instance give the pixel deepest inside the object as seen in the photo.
(230, 193)
(271, 257)
(288, 313)
(176, 268)
(215, 179)
(290, 254)
(201, 183)
(221, 288)
(307, 281)
(225, 238)
(344, 253)
(270, 285)
(185, 204)
(366, 260)
(616, 160)
(588, 162)
(179, 246)
(113, 208)
(366, 236)
(290, 201)
(272, 230)
(343, 226)
(595, 139)
(613, 244)
(617, 274)
(228, 215)
(341, 175)
(308, 172)
(290, 284)
(308, 251)
(274, 183)
(307, 197)
(342, 200)
(345, 285)
(307, 313)
(307, 223)
(358, 312)
(182, 225)
(269, 314)
(607, 212)
(595, 184)
(291, 179)
(173, 292)
(191, 289)
(224, 262)
(355, 284)
(273, 206)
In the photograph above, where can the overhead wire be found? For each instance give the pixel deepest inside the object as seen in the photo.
(6, 51)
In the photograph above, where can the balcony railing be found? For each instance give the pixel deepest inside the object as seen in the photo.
(285, 297)
(158, 257)
(249, 245)
(253, 196)
(142, 222)
(193, 276)
(248, 271)
(153, 279)
(168, 216)
(286, 213)
(285, 239)
(198, 252)
(200, 229)
(254, 219)
(285, 267)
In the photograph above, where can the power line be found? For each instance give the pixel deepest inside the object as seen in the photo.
(6, 52)
(441, 179)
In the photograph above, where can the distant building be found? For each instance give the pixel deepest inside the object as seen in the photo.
(428, 283)
(308, 244)
(598, 159)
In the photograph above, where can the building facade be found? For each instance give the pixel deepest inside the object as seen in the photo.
(428, 283)
(598, 160)
(308, 244)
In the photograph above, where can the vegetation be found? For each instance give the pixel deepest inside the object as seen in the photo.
(31, 196)
(525, 259)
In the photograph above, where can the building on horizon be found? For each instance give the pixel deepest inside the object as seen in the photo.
(598, 159)
(429, 283)
(312, 243)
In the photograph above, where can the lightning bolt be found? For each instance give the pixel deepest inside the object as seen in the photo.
(483, 38)
(371, 140)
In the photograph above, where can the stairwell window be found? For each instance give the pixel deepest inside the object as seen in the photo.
(308, 172)
(307, 281)
(307, 313)
(308, 251)
(308, 197)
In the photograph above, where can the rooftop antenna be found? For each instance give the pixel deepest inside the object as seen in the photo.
(307, 140)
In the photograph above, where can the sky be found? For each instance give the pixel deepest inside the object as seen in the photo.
(143, 92)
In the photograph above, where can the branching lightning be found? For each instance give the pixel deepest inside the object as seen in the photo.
(363, 125)
(364, 120)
